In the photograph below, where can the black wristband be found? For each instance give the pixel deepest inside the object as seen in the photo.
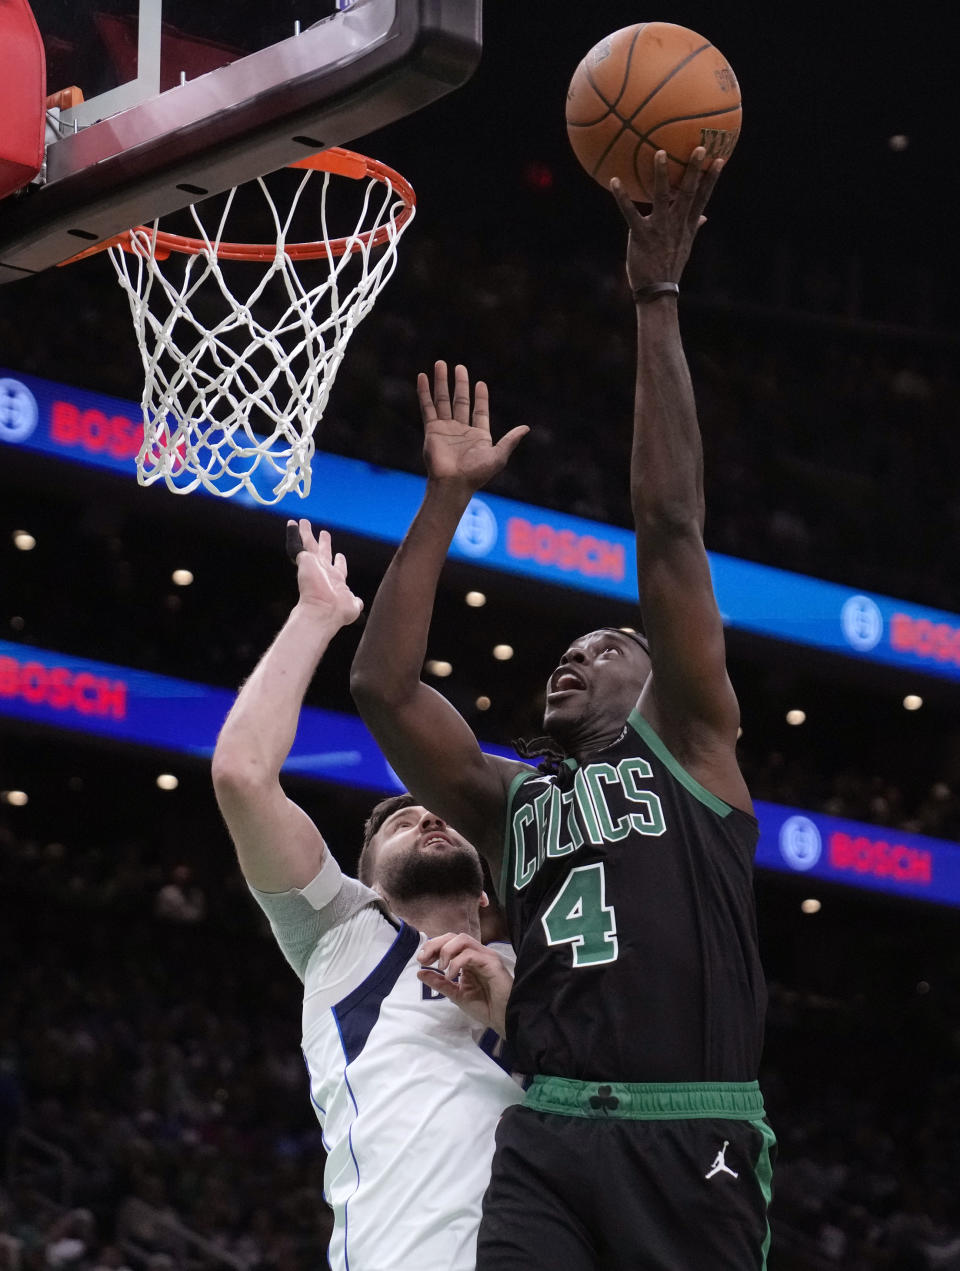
(643, 295)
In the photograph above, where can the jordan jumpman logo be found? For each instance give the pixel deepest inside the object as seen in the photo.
(720, 1165)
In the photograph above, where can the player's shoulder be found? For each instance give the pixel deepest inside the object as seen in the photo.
(352, 951)
(510, 771)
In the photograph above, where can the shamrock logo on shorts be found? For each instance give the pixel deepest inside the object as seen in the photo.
(604, 1099)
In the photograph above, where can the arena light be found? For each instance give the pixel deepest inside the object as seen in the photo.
(912, 702)
(795, 718)
(182, 577)
(439, 668)
(16, 798)
(24, 541)
(482, 703)
(167, 781)
(811, 905)
(475, 599)
(898, 142)
(503, 652)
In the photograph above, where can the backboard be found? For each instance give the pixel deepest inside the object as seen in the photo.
(186, 99)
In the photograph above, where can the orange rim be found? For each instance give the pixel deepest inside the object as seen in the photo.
(345, 163)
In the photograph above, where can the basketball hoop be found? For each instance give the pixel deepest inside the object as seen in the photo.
(231, 401)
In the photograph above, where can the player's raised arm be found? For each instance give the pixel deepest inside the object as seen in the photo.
(689, 699)
(428, 743)
(277, 844)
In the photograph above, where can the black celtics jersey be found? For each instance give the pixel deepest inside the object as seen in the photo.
(628, 892)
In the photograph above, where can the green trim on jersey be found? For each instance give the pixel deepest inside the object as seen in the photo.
(508, 830)
(640, 725)
(653, 1101)
(763, 1171)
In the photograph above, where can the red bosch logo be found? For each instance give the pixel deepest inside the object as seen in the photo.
(859, 854)
(94, 431)
(62, 689)
(931, 641)
(580, 553)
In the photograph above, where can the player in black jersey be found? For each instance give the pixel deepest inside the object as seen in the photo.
(625, 866)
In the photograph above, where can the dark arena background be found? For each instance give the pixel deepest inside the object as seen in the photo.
(153, 1104)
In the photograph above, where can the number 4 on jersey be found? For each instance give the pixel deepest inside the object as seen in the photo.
(581, 917)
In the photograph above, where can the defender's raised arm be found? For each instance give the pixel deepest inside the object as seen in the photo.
(277, 844)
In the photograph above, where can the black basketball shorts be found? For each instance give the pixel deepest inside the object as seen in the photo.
(625, 1177)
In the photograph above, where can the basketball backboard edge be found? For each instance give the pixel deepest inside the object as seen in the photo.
(345, 77)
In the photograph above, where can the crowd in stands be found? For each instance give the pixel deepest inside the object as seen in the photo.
(150, 1033)
(863, 1097)
(931, 807)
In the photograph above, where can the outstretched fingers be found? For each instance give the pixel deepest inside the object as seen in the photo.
(661, 180)
(705, 189)
(461, 395)
(691, 173)
(340, 569)
(686, 196)
(428, 412)
(470, 450)
(325, 549)
(300, 533)
(691, 196)
(626, 205)
(437, 404)
(306, 535)
(481, 407)
(509, 441)
(441, 390)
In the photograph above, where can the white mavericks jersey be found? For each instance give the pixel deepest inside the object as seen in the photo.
(405, 1085)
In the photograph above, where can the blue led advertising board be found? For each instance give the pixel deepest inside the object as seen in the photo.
(77, 426)
(96, 698)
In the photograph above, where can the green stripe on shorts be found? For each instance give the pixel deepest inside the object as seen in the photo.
(763, 1169)
(652, 1101)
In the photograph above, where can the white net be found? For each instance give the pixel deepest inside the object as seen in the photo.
(236, 384)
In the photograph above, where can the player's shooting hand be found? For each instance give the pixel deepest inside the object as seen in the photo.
(469, 973)
(457, 446)
(660, 242)
(321, 576)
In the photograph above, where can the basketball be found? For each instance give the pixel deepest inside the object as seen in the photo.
(648, 87)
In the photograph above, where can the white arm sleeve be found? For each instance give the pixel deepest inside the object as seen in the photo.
(300, 917)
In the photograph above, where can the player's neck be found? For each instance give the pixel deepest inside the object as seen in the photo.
(583, 744)
(436, 915)
(583, 737)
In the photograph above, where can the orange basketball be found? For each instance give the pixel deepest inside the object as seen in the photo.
(649, 87)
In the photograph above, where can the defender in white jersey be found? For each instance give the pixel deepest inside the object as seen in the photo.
(407, 1085)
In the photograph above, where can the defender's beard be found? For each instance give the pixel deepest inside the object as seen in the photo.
(456, 873)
